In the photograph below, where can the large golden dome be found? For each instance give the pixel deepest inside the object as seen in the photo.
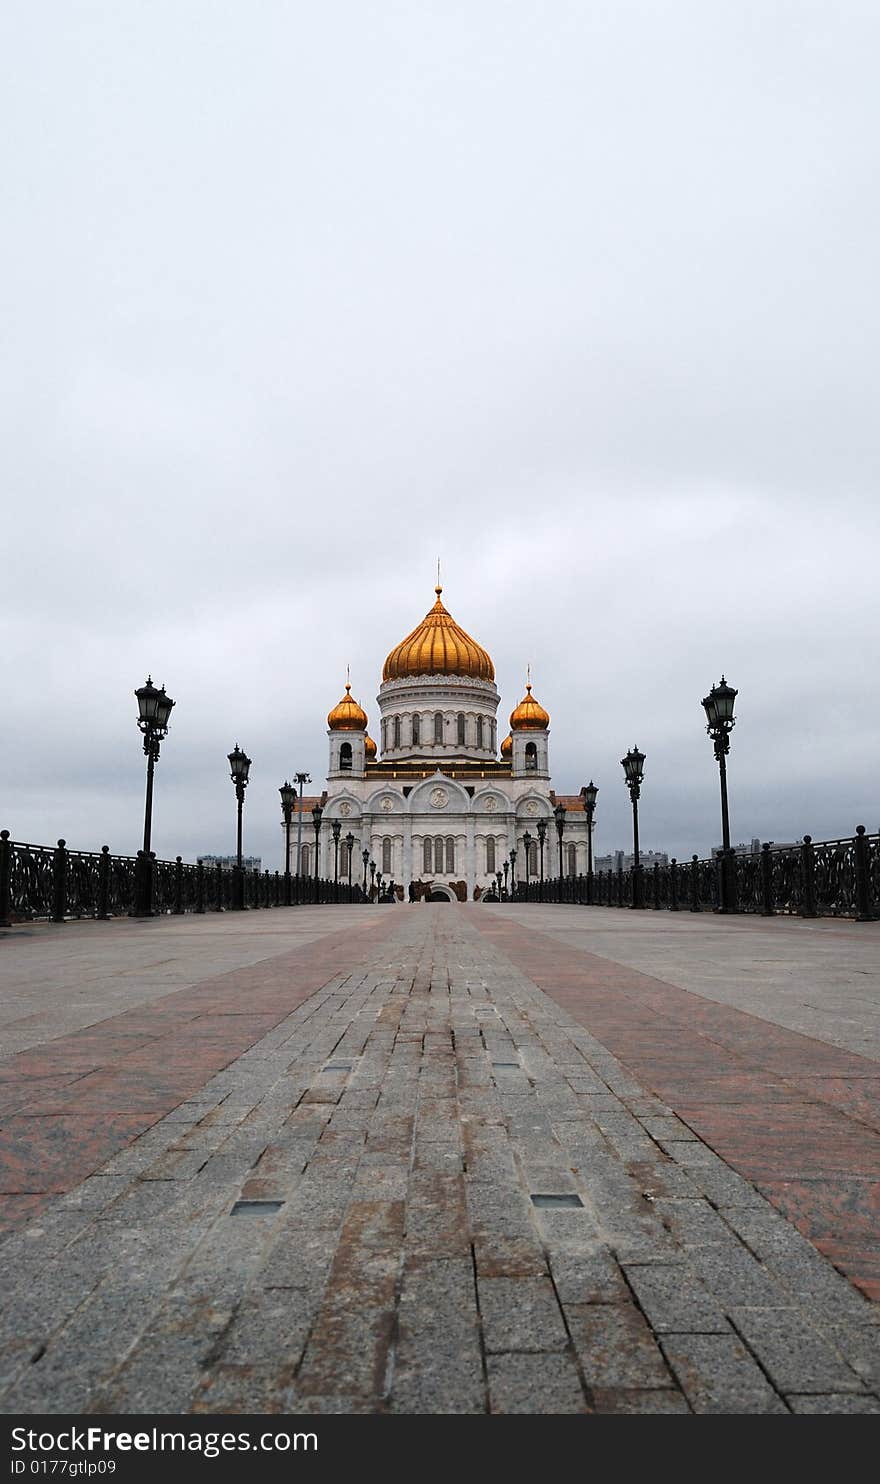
(347, 715)
(529, 715)
(438, 647)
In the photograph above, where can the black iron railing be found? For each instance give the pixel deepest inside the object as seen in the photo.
(39, 881)
(829, 878)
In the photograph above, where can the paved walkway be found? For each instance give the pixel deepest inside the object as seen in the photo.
(440, 1159)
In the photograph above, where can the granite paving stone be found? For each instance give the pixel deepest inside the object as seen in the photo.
(295, 1177)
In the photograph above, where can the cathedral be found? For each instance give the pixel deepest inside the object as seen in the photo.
(437, 804)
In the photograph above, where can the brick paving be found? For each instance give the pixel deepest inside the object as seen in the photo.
(424, 1163)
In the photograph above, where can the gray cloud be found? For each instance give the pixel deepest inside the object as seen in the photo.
(582, 301)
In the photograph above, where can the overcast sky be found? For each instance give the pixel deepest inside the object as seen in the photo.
(579, 297)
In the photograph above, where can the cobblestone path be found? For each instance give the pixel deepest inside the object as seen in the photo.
(426, 1188)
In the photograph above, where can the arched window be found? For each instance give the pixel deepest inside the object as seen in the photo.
(533, 858)
(397, 731)
(450, 854)
(416, 729)
(386, 856)
(479, 731)
(428, 854)
(531, 757)
(438, 726)
(438, 853)
(304, 861)
(345, 755)
(492, 736)
(460, 725)
(572, 860)
(490, 855)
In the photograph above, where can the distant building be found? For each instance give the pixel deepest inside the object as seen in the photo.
(229, 862)
(619, 860)
(754, 847)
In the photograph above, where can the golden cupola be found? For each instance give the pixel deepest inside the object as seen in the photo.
(369, 749)
(529, 715)
(347, 715)
(507, 746)
(438, 647)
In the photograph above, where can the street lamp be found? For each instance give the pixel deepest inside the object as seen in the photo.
(633, 766)
(559, 813)
(542, 835)
(336, 827)
(349, 844)
(718, 706)
(288, 798)
(513, 873)
(372, 877)
(300, 778)
(154, 709)
(506, 869)
(317, 814)
(498, 882)
(527, 842)
(365, 857)
(239, 767)
(589, 794)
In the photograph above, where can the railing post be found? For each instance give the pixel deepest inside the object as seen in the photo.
(103, 911)
(219, 885)
(808, 879)
(59, 883)
(673, 885)
(766, 881)
(656, 886)
(620, 886)
(864, 904)
(5, 879)
(695, 883)
(178, 884)
(200, 887)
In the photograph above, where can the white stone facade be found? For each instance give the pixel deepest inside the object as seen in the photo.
(438, 789)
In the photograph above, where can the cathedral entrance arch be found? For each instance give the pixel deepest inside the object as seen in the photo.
(441, 894)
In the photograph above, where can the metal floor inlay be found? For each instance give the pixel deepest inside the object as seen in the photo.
(256, 1208)
(557, 1201)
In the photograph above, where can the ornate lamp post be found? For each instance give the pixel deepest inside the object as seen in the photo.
(542, 835)
(372, 877)
(288, 798)
(317, 814)
(239, 767)
(527, 842)
(349, 845)
(498, 882)
(506, 869)
(300, 778)
(559, 813)
(336, 827)
(154, 709)
(589, 794)
(633, 768)
(718, 706)
(365, 857)
(513, 872)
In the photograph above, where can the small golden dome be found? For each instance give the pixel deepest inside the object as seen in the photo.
(347, 716)
(438, 647)
(507, 746)
(529, 715)
(370, 748)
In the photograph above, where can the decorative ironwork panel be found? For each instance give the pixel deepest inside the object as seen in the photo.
(32, 881)
(83, 883)
(834, 868)
(749, 880)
